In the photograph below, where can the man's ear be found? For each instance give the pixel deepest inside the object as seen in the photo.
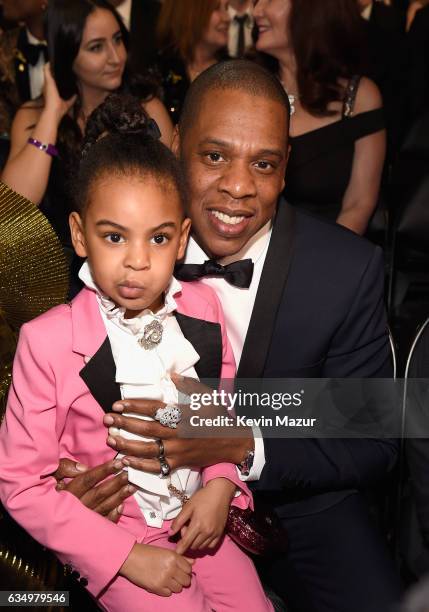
(175, 143)
(184, 235)
(77, 234)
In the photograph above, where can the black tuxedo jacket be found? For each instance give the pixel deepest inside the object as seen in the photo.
(144, 18)
(99, 374)
(318, 313)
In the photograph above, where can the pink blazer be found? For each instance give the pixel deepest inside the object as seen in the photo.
(51, 414)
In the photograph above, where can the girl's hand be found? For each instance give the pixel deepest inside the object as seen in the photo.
(157, 570)
(202, 521)
(53, 102)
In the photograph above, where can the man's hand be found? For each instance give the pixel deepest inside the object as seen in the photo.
(179, 450)
(93, 486)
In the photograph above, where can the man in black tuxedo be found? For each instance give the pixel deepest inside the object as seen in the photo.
(312, 308)
(25, 47)
(140, 18)
(23, 53)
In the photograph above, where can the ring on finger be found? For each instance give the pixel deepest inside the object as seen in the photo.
(161, 452)
(165, 468)
(169, 416)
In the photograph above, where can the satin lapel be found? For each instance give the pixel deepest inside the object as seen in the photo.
(22, 75)
(206, 338)
(99, 375)
(271, 288)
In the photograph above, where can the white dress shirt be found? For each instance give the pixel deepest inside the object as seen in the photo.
(124, 9)
(35, 73)
(238, 305)
(146, 373)
(234, 28)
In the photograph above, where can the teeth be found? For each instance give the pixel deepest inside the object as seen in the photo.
(228, 219)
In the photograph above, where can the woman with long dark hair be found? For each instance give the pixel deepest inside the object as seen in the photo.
(337, 127)
(88, 53)
(192, 36)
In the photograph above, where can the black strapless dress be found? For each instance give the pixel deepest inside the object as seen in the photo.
(320, 161)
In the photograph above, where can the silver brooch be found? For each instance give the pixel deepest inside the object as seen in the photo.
(152, 335)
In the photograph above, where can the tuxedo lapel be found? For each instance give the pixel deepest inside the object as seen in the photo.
(206, 338)
(99, 375)
(271, 288)
(22, 75)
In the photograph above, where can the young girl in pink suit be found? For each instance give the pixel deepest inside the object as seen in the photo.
(76, 359)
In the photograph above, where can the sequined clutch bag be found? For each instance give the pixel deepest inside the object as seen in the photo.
(259, 532)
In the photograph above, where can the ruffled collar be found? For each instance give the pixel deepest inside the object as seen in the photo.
(116, 314)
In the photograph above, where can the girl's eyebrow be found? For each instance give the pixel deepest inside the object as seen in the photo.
(107, 222)
(124, 229)
(164, 225)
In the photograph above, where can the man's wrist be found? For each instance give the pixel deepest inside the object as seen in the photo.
(244, 446)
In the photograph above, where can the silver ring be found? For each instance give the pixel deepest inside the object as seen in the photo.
(165, 468)
(169, 416)
(161, 455)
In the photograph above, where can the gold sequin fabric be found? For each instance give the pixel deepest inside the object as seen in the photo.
(33, 271)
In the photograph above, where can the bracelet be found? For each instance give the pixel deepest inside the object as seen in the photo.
(49, 149)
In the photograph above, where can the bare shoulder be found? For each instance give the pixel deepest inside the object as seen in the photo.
(368, 96)
(157, 111)
(154, 104)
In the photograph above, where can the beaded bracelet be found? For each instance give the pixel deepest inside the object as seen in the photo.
(49, 149)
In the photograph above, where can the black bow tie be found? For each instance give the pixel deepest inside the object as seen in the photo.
(238, 273)
(32, 52)
(241, 19)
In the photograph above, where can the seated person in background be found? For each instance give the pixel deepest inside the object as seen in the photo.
(313, 307)
(337, 131)
(191, 37)
(384, 27)
(23, 53)
(131, 227)
(240, 39)
(87, 49)
(140, 18)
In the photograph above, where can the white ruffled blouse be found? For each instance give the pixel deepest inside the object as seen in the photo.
(146, 374)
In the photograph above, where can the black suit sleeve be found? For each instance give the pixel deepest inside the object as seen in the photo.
(360, 349)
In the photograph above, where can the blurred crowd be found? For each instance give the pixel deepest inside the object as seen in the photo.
(356, 73)
(373, 54)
